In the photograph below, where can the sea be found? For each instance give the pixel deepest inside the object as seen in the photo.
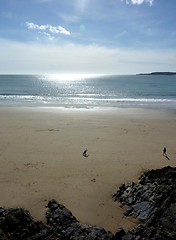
(89, 91)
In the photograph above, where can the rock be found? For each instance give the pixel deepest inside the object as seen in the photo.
(128, 211)
(119, 234)
(19, 224)
(66, 226)
(142, 211)
(153, 202)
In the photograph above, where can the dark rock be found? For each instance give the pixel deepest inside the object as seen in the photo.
(64, 225)
(18, 224)
(119, 234)
(128, 211)
(142, 211)
(153, 202)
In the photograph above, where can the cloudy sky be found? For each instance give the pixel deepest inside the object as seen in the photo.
(87, 36)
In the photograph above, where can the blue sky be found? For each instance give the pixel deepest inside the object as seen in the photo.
(87, 36)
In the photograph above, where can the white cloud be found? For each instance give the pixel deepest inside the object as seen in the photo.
(151, 2)
(138, 2)
(59, 29)
(34, 26)
(63, 30)
(53, 29)
(48, 35)
(71, 58)
(47, 27)
(31, 25)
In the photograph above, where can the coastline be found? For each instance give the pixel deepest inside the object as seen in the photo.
(41, 158)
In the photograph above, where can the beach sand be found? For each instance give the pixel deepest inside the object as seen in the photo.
(41, 158)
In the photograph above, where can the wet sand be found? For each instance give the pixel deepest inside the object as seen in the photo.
(41, 158)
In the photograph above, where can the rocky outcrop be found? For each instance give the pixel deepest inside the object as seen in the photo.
(159, 73)
(153, 202)
(65, 226)
(18, 224)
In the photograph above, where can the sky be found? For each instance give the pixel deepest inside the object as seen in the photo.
(87, 36)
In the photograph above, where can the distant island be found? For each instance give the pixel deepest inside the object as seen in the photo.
(158, 73)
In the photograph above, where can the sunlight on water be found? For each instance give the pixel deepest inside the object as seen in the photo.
(69, 77)
(88, 90)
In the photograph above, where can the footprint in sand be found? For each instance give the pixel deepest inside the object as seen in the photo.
(45, 130)
(93, 180)
(34, 165)
(101, 204)
(28, 165)
(124, 130)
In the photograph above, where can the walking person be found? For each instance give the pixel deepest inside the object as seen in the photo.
(85, 153)
(164, 152)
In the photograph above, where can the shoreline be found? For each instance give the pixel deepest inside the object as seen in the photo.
(90, 109)
(167, 106)
(41, 158)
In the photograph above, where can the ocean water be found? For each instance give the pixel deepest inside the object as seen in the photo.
(88, 91)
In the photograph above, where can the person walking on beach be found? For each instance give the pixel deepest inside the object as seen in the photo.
(85, 153)
(164, 152)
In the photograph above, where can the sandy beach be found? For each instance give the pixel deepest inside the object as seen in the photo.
(41, 158)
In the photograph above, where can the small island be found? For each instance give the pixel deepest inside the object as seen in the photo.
(158, 73)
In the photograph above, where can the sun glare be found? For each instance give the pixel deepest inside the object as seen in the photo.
(70, 77)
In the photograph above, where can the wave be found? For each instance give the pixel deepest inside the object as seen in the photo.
(86, 99)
